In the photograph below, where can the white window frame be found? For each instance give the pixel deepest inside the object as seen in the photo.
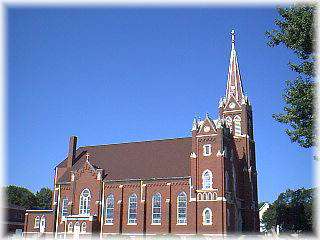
(84, 203)
(37, 222)
(205, 148)
(182, 198)
(156, 209)
(237, 125)
(109, 208)
(132, 209)
(83, 227)
(64, 207)
(70, 227)
(204, 181)
(206, 221)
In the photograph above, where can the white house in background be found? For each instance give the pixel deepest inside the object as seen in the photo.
(262, 210)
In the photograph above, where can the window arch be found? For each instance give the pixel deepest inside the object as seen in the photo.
(85, 197)
(110, 208)
(132, 209)
(37, 222)
(70, 227)
(64, 208)
(237, 125)
(207, 179)
(182, 208)
(207, 216)
(83, 227)
(156, 208)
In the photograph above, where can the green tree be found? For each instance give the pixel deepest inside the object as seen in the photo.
(292, 211)
(44, 198)
(20, 196)
(296, 32)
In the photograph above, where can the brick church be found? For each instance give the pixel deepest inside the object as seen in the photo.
(202, 184)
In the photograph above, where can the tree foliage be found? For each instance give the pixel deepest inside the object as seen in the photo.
(292, 211)
(25, 198)
(296, 32)
(44, 198)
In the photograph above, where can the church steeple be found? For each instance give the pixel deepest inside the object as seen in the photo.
(234, 84)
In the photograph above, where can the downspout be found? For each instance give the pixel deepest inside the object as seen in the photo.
(197, 160)
(121, 210)
(58, 207)
(102, 211)
(223, 178)
(170, 208)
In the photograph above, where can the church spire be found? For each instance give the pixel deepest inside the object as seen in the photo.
(234, 84)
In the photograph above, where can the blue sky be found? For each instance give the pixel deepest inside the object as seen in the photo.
(114, 75)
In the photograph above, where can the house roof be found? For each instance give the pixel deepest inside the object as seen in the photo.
(136, 160)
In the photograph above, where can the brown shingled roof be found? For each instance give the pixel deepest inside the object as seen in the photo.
(137, 160)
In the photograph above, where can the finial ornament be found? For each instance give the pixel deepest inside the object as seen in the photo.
(87, 156)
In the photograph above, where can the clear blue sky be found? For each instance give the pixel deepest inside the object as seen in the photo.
(120, 75)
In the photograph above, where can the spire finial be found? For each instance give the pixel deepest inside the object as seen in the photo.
(232, 38)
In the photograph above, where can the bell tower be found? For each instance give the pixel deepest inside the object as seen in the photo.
(235, 108)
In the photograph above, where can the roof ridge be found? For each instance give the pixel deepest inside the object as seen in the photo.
(156, 140)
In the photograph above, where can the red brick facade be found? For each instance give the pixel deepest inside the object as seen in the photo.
(203, 184)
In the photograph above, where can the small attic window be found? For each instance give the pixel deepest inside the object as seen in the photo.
(207, 150)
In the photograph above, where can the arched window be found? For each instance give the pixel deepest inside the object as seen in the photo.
(207, 179)
(207, 216)
(42, 223)
(237, 125)
(64, 208)
(37, 222)
(70, 227)
(209, 196)
(83, 227)
(76, 228)
(182, 208)
(85, 197)
(199, 196)
(132, 209)
(109, 208)
(229, 122)
(215, 196)
(156, 208)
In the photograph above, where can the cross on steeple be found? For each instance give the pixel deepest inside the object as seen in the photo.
(232, 38)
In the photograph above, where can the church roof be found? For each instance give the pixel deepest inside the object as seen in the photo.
(136, 160)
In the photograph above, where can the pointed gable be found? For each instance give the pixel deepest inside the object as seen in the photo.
(207, 126)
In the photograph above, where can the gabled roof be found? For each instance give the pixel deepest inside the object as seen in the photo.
(136, 160)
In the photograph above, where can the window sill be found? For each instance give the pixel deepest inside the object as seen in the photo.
(182, 224)
(108, 223)
(206, 224)
(157, 224)
(131, 223)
